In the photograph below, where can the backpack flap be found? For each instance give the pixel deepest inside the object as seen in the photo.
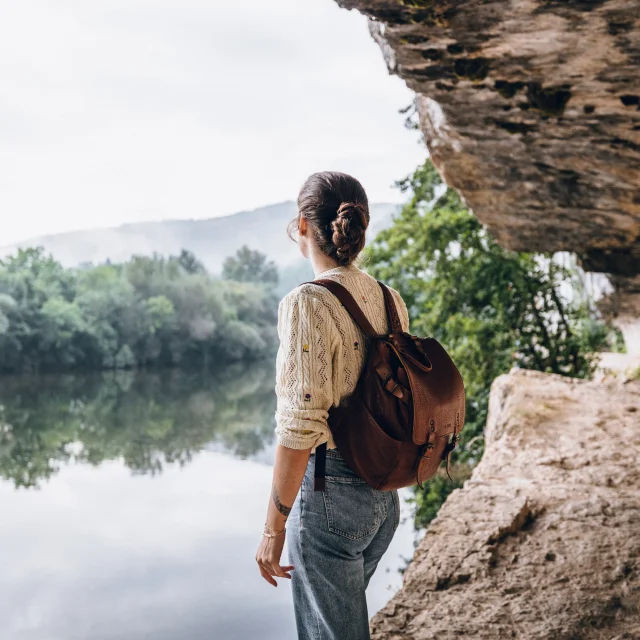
(437, 388)
(438, 393)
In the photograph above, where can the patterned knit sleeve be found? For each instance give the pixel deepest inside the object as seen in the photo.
(303, 371)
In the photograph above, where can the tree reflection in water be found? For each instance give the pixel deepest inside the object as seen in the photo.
(146, 419)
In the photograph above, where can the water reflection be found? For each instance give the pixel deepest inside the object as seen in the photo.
(100, 554)
(148, 419)
(132, 507)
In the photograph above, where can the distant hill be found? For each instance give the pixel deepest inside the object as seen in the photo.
(211, 240)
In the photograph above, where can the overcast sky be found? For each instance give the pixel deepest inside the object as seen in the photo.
(115, 111)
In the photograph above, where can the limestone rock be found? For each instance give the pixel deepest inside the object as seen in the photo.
(531, 110)
(543, 541)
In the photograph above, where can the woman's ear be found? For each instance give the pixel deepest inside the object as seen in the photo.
(302, 226)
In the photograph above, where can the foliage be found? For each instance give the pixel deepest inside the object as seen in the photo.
(615, 341)
(189, 263)
(491, 308)
(250, 266)
(148, 312)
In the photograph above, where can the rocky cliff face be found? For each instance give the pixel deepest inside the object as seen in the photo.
(531, 110)
(543, 541)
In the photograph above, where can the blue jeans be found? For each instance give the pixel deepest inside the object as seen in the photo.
(335, 539)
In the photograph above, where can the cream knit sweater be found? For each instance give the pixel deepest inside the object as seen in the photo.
(322, 352)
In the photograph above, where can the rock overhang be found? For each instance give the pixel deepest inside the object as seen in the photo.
(531, 110)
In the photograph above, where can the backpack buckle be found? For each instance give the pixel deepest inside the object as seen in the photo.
(451, 445)
(392, 390)
(446, 455)
(426, 450)
(390, 378)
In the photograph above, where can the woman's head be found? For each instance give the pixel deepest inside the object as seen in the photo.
(336, 210)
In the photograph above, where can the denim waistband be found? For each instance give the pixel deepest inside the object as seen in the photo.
(332, 453)
(336, 466)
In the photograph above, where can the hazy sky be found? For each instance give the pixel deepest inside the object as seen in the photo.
(116, 111)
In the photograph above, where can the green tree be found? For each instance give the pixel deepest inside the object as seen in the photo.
(189, 263)
(149, 312)
(62, 324)
(250, 266)
(7, 303)
(108, 302)
(36, 284)
(491, 308)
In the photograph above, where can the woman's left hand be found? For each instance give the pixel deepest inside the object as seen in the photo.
(268, 559)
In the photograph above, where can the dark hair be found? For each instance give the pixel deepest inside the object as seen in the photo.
(337, 210)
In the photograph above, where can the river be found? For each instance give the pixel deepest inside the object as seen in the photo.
(132, 505)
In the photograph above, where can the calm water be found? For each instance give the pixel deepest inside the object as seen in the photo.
(131, 507)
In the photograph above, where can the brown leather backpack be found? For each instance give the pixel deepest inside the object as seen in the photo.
(406, 412)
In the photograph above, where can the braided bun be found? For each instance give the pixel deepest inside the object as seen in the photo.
(336, 207)
(349, 229)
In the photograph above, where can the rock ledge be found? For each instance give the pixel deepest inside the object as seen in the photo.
(543, 541)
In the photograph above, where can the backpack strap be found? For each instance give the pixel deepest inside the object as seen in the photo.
(319, 467)
(354, 310)
(451, 445)
(342, 293)
(392, 311)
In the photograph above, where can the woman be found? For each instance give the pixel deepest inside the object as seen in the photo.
(335, 537)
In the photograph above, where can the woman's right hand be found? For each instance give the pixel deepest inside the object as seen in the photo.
(268, 559)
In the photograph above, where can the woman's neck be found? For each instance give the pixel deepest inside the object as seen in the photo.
(320, 262)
